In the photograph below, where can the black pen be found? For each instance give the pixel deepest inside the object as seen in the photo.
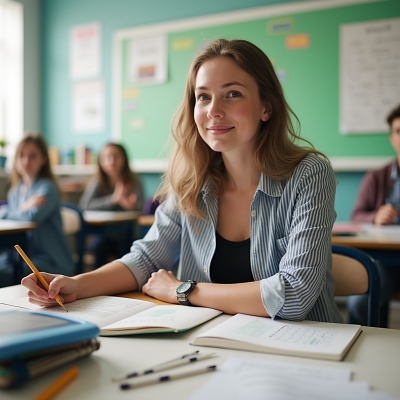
(176, 362)
(170, 377)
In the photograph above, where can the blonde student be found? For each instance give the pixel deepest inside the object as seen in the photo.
(248, 211)
(34, 196)
(114, 188)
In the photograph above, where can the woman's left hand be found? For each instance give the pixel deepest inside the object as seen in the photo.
(162, 285)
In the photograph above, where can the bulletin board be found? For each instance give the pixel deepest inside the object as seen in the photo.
(301, 39)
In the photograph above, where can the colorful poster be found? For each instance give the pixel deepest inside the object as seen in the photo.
(147, 63)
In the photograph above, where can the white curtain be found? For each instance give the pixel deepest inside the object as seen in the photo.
(11, 74)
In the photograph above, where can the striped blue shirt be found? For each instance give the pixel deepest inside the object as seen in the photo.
(290, 235)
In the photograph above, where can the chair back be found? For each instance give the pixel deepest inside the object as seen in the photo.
(355, 272)
(74, 225)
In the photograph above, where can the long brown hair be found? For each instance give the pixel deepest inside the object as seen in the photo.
(193, 161)
(127, 175)
(39, 142)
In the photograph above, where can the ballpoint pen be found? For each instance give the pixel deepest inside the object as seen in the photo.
(176, 362)
(170, 377)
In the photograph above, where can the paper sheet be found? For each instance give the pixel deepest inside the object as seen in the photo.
(256, 379)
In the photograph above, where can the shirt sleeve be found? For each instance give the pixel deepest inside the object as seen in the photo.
(150, 254)
(306, 250)
(92, 199)
(365, 208)
(39, 213)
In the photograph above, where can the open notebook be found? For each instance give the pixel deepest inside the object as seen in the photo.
(121, 316)
(294, 338)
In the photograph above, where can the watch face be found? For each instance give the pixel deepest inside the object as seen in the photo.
(184, 287)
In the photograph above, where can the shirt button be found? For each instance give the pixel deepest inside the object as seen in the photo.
(205, 269)
(253, 213)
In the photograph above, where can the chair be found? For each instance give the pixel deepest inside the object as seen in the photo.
(74, 225)
(355, 272)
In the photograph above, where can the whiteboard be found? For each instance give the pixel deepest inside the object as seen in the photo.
(369, 75)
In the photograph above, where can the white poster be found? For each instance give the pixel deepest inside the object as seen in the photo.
(85, 51)
(147, 60)
(369, 75)
(88, 107)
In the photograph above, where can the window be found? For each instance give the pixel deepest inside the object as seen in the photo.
(11, 74)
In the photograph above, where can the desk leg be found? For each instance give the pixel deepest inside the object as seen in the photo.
(17, 260)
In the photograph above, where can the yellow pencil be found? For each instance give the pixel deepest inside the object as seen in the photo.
(38, 274)
(56, 386)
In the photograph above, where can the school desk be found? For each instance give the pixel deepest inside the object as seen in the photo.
(381, 242)
(145, 222)
(12, 233)
(108, 223)
(374, 357)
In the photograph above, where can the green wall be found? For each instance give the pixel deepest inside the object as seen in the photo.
(58, 16)
(310, 76)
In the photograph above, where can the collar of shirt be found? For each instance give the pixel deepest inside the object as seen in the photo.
(395, 172)
(266, 185)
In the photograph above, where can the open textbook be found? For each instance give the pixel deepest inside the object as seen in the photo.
(121, 316)
(297, 338)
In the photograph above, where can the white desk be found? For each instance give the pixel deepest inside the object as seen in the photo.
(374, 358)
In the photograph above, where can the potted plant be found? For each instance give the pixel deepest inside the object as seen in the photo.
(3, 158)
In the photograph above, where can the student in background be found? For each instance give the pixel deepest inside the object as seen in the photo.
(34, 196)
(378, 199)
(378, 202)
(114, 188)
(248, 212)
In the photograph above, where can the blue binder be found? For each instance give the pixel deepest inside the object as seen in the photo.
(24, 332)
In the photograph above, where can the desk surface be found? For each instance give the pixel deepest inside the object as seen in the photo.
(146, 220)
(373, 358)
(109, 217)
(371, 237)
(10, 226)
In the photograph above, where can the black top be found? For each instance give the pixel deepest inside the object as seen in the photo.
(231, 261)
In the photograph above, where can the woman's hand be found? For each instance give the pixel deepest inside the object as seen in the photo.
(36, 200)
(128, 202)
(66, 288)
(162, 285)
(118, 193)
(385, 214)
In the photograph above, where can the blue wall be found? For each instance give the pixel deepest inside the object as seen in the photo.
(58, 16)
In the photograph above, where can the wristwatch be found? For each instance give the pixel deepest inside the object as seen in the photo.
(183, 291)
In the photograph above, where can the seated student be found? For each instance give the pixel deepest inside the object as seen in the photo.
(34, 196)
(378, 202)
(248, 212)
(115, 188)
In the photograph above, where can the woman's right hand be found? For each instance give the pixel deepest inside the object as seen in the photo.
(385, 214)
(65, 287)
(34, 201)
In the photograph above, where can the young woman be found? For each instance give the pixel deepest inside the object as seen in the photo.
(116, 188)
(248, 212)
(34, 196)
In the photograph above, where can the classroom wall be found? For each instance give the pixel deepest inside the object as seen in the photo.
(32, 56)
(57, 17)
